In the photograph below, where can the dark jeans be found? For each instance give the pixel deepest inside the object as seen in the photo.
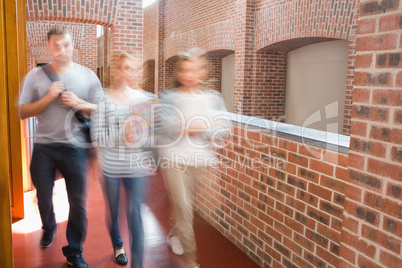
(72, 164)
(134, 191)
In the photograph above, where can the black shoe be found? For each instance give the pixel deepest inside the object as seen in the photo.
(77, 261)
(121, 258)
(47, 238)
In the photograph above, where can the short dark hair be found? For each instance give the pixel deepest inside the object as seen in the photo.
(57, 30)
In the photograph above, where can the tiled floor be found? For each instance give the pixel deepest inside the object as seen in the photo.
(214, 250)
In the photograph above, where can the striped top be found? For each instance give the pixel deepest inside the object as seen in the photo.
(118, 158)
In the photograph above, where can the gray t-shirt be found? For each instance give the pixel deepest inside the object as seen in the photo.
(56, 123)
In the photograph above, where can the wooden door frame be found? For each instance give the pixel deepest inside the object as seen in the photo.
(13, 64)
(6, 246)
(16, 44)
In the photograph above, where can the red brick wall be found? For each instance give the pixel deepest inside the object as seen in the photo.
(89, 46)
(303, 22)
(169, 73)
(185, 29)
(304, 18)
(107, 61)
(325, 209)
(372, 236)
(150, 32)
(123, 17)
(83, 36)
(180, 15)
(269, 85)
(244, 56)
(212, 27)
(248, 27)
(279, 200)
(160, 46)
(101, 57)
(149, 76)
(214, 68)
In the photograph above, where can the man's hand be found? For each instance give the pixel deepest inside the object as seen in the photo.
(55, 89)
(34, 108)
(69, 99)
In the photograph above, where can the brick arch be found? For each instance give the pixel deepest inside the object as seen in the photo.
(122, 18)
(292, 44)
(169, 69)
(83, 37)
(304, 19)
(218, 53)
(214, 67)
(150, 52)
(86, 11)
(308, 21)
(214, 37)
(270, 81)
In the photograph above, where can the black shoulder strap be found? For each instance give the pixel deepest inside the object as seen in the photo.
(51, 73)
(54, 77)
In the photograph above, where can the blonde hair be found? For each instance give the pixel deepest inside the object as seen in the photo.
(117, 63)
(125, 55)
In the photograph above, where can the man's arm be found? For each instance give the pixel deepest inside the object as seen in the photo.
(87, 107)
(31, 109)
(69, 99)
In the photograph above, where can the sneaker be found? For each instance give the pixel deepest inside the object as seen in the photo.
(47, 238)
(174, 243)
(77, 261)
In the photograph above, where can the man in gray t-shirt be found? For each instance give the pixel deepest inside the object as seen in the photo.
(60, 140)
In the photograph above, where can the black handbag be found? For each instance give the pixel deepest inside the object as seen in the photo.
(82, 117)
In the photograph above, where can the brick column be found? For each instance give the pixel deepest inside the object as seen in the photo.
(214, 73)
(88, 49)
(127, 32)
(160, 61)
(149, 76)
(127, 29)
(372, 225)
(269, 85)
(245, 27)
(106, 60)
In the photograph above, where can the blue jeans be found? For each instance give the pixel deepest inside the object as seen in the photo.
(72, 164)
(134, 192)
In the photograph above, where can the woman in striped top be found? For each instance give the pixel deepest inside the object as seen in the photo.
(122, 157)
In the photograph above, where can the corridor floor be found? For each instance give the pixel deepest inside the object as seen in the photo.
(214, 250)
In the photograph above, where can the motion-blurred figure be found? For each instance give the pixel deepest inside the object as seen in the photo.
(189, 125)
(60, 141)
(120, 133)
